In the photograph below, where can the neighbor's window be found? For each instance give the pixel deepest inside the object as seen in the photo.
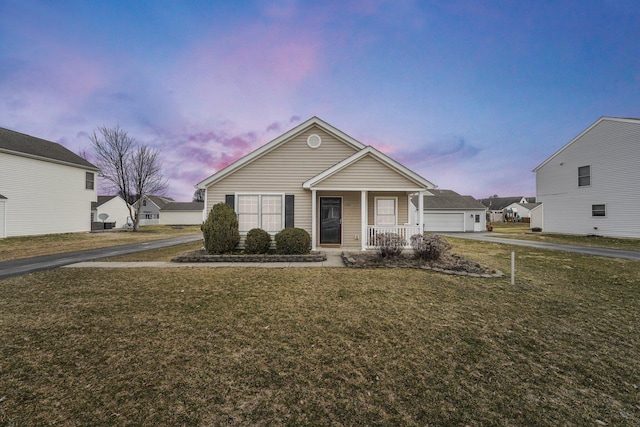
(386, 212)
(598, 210)
(260, 211)
(89, 180)
(584, 176)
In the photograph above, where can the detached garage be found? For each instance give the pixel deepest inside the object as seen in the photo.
(448, 211)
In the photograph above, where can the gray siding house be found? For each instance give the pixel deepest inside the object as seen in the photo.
(590, 185)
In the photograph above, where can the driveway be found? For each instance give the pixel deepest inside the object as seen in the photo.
(46, 262)
(585, 250)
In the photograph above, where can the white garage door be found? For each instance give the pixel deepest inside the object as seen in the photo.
(443, 221)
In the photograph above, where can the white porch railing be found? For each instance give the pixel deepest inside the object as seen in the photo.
(404, 231)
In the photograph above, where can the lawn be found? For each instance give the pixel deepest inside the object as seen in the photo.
(31, 246)
(199, 346)
(521, 231)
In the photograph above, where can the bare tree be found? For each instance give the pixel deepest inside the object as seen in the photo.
(198, 195)
(132, 170)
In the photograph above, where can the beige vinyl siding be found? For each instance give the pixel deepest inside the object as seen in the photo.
(403, 205)
(44, 197)
(282, 171)
(367, 172)
(611, 149)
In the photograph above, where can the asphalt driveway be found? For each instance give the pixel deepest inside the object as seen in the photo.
(46, 262)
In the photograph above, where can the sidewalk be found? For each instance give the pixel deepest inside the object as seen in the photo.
(334, 260)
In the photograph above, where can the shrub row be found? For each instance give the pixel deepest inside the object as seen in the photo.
(428, 247)
(221, 236)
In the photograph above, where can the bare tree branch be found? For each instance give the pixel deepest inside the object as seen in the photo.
(132, 170)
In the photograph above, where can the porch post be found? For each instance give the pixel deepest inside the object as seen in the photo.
(363, 220)
(421, 212)
(313, 220)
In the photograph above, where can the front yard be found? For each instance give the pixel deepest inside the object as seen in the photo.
(200, 346)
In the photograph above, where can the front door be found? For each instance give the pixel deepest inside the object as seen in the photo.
(330, 220)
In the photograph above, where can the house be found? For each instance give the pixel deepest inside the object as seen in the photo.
(520, 211)
(182, 213)
(116, 209)
(318, 178)
(151, 206)
(448, 211)
(45, 187)
(501, 209)
(590, 185)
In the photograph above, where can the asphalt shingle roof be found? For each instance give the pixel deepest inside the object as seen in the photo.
(30, 146)
(183, 206)
(448, 199)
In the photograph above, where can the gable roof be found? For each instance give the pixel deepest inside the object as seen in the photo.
(2, 197)
(184, 206)
(24, 145)
(104, 199)
(597, 122)
(160, 201)
(448, 199)
(499, 203)
(272, 145)
(369, 150)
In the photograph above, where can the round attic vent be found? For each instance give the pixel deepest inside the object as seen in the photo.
(314, 141)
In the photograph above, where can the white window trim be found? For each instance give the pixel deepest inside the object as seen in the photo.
(375, 207)
(253, 193)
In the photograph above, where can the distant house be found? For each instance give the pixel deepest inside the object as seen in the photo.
(181, 213)
(448, 211)
(590, 185)
(166, 211)
(116, 209)
(316, 177)
(45, 187)
(150, 210)
(501, 209)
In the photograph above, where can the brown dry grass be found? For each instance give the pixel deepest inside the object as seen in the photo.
(31, 246)
(200, 346)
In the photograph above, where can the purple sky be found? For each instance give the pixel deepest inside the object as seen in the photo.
(471, 95)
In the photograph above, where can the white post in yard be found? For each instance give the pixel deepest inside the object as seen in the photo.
(513, 267)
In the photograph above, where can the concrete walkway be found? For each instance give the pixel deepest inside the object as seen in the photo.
(334, 259)
(585, 250)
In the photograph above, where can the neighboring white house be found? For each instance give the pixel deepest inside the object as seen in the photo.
(590, 185)
(448, 211)
(150, 211)
(520, 211)
(45, 187)
(182, 213)
(116, 209)
(500, 209)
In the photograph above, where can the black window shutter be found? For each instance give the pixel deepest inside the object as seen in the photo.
(288, 210)
(230, 199)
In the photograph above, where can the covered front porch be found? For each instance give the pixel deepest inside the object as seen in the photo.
(355, 219)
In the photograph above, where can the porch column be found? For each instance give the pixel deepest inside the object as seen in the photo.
(314, 223)
(363, 220)
(421, 212)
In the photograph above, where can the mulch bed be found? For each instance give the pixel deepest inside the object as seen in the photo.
(448, 263)
(201, 256)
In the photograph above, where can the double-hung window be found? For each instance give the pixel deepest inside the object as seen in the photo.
(260, 211)
(89, 181)
(584, 176)
(386, 211)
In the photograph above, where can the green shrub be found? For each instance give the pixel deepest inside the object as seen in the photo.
(258, 241)
(293, 241)
(389, 245)
(220, 230)
(429, 247)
